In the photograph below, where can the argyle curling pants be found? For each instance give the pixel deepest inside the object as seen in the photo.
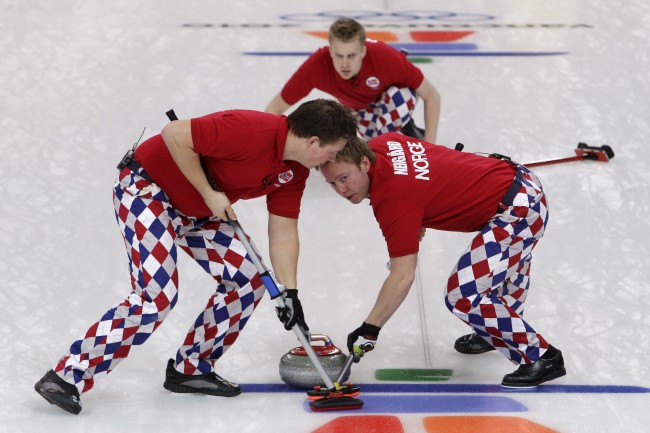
(392, 111)
(152, 230)
(488, 286)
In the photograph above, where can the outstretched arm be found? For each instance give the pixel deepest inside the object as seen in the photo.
(392, 294)
(394, 290)
(431, 98)
(284, 247)
(277, 105)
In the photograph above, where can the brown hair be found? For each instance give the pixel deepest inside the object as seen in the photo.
(324, 118)
(346, 30)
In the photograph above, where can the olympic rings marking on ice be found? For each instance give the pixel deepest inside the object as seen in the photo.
(388, 16)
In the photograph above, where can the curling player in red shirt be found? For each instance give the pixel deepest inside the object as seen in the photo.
(368, 76)
(413, 186)
(176, 189)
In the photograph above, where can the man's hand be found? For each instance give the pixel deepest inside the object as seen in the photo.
(363, 339)
(291, 314)
(220, 205)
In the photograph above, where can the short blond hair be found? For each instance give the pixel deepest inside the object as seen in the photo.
(346, 30)
(354, 151)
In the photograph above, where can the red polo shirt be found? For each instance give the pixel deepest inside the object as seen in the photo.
(382, 67)
(415, 184)
(243, 152)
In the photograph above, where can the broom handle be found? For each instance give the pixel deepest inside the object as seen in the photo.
(274, 292)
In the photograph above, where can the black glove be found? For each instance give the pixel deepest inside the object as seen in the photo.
(363, 339)
(291, 314)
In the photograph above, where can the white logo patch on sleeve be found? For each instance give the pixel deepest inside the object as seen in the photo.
(372, 82)
(285, 177)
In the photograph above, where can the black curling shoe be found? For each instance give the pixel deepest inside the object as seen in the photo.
(410, 130)
(472, 344)
(540, 371)
(59, 392)
(211, 383)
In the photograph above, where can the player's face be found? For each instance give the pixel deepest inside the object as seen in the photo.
(348, 180)
(347, 57)
(317, 154)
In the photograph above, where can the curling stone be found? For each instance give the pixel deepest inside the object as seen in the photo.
(297, 370)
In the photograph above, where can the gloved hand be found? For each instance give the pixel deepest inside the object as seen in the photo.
(362, 340)
(291, 314)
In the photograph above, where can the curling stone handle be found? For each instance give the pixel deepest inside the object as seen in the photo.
(321, 337)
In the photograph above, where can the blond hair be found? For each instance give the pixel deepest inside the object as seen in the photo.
(346, 30)
(354, 151)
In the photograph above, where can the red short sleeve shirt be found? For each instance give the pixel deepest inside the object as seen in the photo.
(243, 151)
(415, 184)
(382, 67)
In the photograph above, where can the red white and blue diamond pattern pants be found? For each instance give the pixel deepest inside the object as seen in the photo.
(152, 231)
(392, 111)
(489, 284)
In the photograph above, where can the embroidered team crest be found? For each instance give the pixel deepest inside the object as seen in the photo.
(372, 82)
(285, 177)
